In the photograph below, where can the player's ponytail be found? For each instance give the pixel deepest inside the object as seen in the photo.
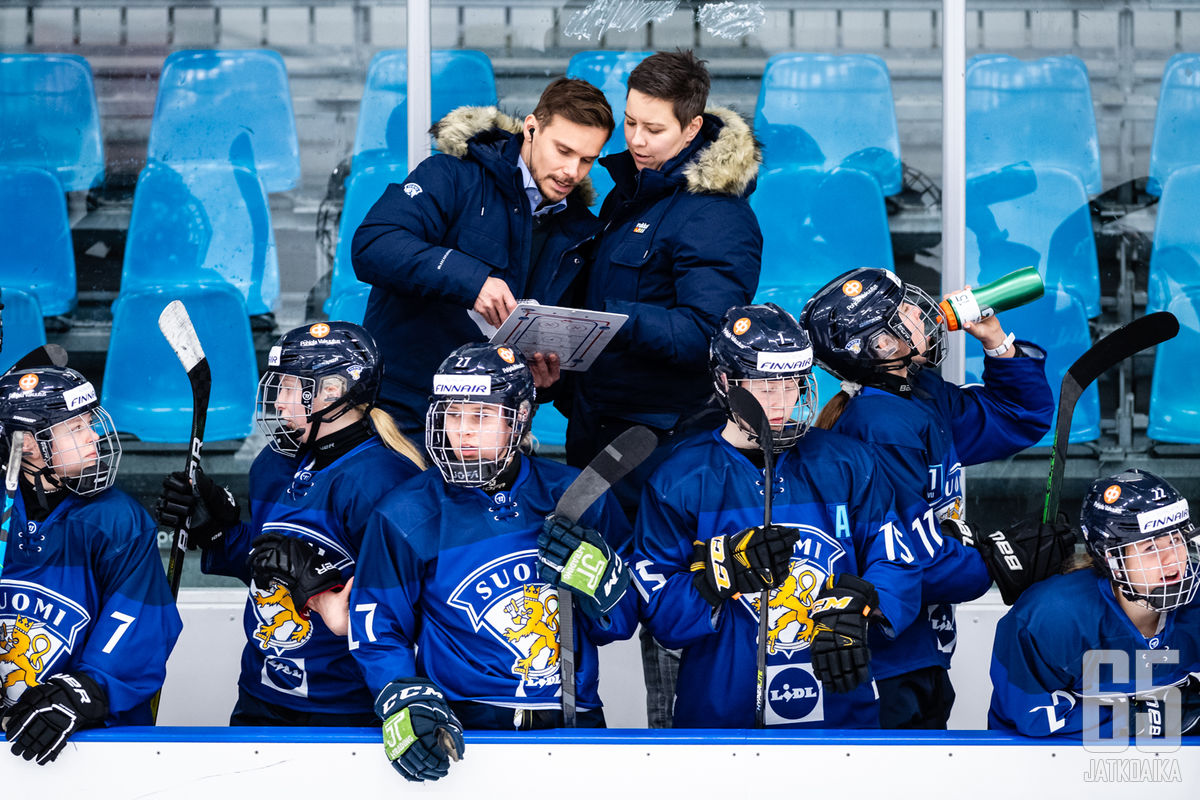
(832, 410)
(390, 433)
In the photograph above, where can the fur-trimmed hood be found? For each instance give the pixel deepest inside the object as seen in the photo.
(730, 162)
(483, 125)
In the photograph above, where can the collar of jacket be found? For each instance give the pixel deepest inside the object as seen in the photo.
(723, 159)
(492, 138)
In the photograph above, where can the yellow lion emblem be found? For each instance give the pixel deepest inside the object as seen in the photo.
(23, 651)
(280, 596)
(795, 594)
(527, 612)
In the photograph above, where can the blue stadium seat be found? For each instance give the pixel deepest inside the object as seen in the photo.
(549, 428)
(350, 305)
(1020, 216)
(816, 225)
(1035, 111)
(1058, 324)
(23, 328)
(49, 118)
(1176, 121)
(608, 71)
(227, 106)
(146, 389)
(364, 186)
(1175, 259)
(196, 223)
(1174, 412)
(37, 255)
(460, 78)
(830, 111)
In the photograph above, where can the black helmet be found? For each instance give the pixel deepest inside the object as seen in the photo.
(765, 343)
(338, 356)
(1142, 510)
(75, 436)
(495, 384)
(856, 319)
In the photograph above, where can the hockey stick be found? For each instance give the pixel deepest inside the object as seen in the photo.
(177, 327)
(615, 461)
(48, 355)
(11, 474)
(744, 405)
(1138, 335)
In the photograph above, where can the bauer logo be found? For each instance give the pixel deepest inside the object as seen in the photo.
(319, 331)
(462, 384)
(851, 288)
(1112, 494)
(28, 382)
(741, 326)
(793, 695)
(274, 355)
(1162, 518)
(80, 396)
(506, 354)
(793, 361)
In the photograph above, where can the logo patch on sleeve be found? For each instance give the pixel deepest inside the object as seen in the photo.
(412, 189)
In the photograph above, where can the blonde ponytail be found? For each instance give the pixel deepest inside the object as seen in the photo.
(832, 410)
(390, 433)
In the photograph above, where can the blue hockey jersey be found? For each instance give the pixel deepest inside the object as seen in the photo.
(921, 444)
(289, 659)
(828, 487)
(1038, 672)
(452, 571)
(84, 590)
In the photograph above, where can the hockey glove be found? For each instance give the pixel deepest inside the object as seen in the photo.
(1019, 557)
(421, 735)
(305, 570)
(840, 656)
(203, 508)
(578, 558)
(49, 713)
(745, 562)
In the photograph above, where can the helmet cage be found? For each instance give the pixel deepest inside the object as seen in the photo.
(84, 467)
(797, 417)
(479, 419)
(1151, 559)
(286, 432)
(929, 320)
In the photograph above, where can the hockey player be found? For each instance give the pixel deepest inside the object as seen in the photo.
(836, 556)
(331, 456)
(1121, 632)
(86, 617)
(882, 338)
(461, 566)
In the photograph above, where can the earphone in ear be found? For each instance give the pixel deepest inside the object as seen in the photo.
(529, 131)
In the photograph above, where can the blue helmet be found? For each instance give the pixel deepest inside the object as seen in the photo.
(1139, 533)
(761, 346)
(860, 320)
(482, 407)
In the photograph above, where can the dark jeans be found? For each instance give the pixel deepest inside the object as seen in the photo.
(250, 711)
(917, 700)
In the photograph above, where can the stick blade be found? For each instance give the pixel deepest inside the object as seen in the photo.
(620, 457)
(746, 406)
(177, 327)
(48, 355)
(1128, 340)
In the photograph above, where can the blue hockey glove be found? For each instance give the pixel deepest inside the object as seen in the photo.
(49, 713)
(421, 735)
(841, 658)
(578, 558)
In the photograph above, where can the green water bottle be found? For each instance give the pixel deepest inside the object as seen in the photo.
(971, 305)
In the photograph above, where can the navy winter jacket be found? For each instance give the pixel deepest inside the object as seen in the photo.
(427, 246)
(680, 247)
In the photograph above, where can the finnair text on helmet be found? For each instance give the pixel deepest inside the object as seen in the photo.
(792, 361)
(1165, 517)
(462, 384)
(80, 396)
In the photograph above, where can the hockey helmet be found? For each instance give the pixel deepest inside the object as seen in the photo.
(763, 349)
(75, 436)
(866, 322)
(335, 360)
(481, 409)
(1138, 531)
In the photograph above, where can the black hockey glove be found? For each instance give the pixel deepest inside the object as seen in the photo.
(841, 658)
(421, 735)
(1148, 715)
(577, 557)
(203, 508)
(49, 713)
(748, 561)
(304, 569)
(1022, 555)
